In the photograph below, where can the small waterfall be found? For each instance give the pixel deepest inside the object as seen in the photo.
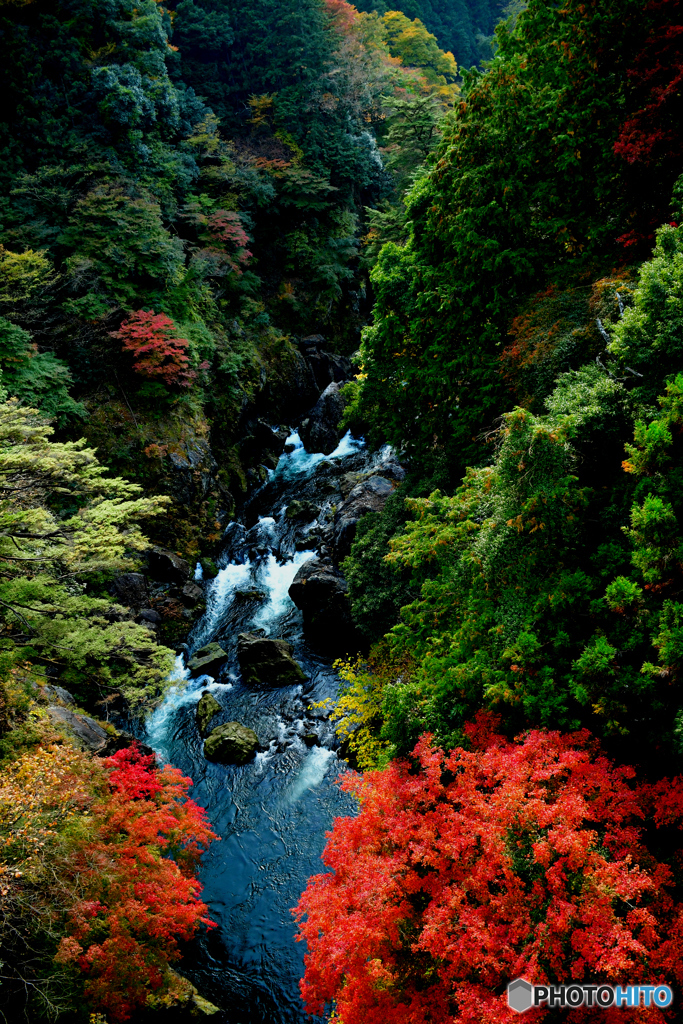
(220, 593)
(276, 578)
(299, 462)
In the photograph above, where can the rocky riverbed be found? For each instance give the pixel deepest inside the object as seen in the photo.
(248, 717)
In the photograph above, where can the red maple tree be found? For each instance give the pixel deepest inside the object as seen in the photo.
(468, 869)
(654, 131)
(136, 876)
(158, 352)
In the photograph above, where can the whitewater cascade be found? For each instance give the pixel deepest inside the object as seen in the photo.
(271, 814)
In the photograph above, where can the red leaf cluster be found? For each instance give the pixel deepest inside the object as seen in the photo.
(140, 896)
(158, 352)
(654, 132)
(223, 236)
(466, 870)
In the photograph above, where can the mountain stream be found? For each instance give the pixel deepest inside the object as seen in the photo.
(271, 814)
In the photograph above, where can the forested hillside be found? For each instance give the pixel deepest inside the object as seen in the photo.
(212, 212)
(463, 27)
(521, 589)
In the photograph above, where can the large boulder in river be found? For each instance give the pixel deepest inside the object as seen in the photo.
(207, 707)
(321, 592)
(167, 567)
(320, 430)
(368, 496)
(232, 743)
(265, 662)
(208, 660)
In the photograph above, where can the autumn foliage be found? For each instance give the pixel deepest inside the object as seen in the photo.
(468, 869)
(653, 131)
(158, 352)
(141, 894)
(107, 856)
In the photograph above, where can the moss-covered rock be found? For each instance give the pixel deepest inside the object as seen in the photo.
(208, 660)
(207, 707)
(232, 743)
(265, 662)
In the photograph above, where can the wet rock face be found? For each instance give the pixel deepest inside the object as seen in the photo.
(266, 662)
(320, 430)
(192, 471)
(232, 743)
(191, 595)
(292, 389)
(321, 593)
(306, 511)
(326, 366)
(207, 707)
(208, 660)
(84, 730)
(368, 496)
(167, 567)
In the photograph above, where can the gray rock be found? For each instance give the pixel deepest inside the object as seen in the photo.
(208, 660)
(320, 431)
(131, 589)
(59, 694)
(265, 662)
(207, 707)
(368, 496)
(232, 743)
(247, 596)
(392, 469)
(149, 615)
(311, 739)
(167, 567)
(120, 740)
(321, 592)
(291, 387)
(192, 471)
(87, 733)
(191, 595)
(328, 367)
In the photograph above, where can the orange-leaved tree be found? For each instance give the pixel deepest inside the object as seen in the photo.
(157, 350)
(467, 869)
(138, 892)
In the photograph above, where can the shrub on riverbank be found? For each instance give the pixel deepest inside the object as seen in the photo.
(96, 877)
(464, 870)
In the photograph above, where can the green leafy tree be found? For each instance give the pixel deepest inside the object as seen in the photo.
(36, 379)
(64, 523)
(525, 186)
(550, 580)
(418, 48)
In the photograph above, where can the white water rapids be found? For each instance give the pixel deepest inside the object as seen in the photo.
(271, 814)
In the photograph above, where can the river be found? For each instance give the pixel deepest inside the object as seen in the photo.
(273, 813)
